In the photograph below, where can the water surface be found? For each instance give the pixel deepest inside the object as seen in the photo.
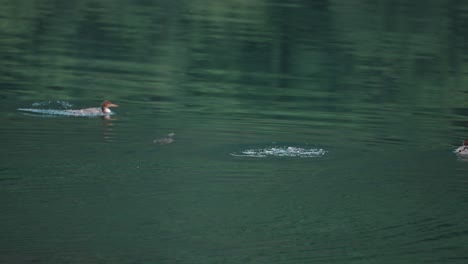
(348, 111)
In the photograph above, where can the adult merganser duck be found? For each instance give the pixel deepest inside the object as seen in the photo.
(103, 110)
(463, 150)
(94, 111)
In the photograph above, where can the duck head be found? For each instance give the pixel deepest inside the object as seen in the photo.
(105, 106)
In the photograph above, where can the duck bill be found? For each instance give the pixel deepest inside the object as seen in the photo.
(113, 105)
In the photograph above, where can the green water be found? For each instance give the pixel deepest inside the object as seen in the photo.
(379, 86)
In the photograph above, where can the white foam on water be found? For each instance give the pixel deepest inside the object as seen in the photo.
(281, 152)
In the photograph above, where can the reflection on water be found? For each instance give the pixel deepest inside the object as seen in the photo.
(368, 100)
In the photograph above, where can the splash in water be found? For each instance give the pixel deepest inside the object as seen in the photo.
(281, 152)
(58, 103)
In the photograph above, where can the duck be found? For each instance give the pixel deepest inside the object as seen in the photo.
(462, 150)
(102, 110)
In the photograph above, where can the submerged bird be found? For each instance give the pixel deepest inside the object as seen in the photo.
(164, 141)
(463, 150)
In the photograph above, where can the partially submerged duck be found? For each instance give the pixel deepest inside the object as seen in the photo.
(164, 141)
(463, 150)
(103, 110)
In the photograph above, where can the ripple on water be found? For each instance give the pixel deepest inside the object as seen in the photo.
(284, 151)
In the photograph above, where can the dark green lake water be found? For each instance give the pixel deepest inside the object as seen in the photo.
(377, 91)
